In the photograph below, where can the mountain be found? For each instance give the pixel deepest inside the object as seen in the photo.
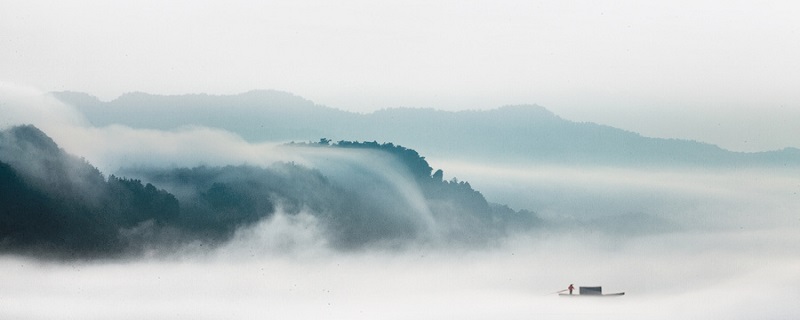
(57, 205)
(516, 134)
(255, 115)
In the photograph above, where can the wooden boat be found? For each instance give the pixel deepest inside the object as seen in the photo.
(592, 292)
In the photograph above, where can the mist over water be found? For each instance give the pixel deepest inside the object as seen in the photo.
(743, 267)
(691, 198)
(681, 243)
(513, 282)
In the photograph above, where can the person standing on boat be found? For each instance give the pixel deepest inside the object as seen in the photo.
(570, 288)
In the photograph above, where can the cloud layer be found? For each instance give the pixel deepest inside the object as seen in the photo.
(664, 277)
(729, 251)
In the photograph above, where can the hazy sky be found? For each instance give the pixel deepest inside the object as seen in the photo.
(723, 72)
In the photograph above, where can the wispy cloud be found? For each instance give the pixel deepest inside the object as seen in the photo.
(734, 245)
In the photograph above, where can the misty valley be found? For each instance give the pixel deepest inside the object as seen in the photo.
(265, 205)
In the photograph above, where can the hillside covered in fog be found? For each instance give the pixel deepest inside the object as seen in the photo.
(56, 204)
(512, 134)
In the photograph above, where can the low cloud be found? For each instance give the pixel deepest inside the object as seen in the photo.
(114, 147)
(664, 277)
(721, 198)
(27, 105)
(728, 251)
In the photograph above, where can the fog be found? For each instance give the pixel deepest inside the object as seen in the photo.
(698, 198)
(730, 252)
(684, 276)
(23, 105)
(365, 196)
(681, 243)
(707, 70)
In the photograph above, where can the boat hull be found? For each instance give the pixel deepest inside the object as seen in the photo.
(592, 295)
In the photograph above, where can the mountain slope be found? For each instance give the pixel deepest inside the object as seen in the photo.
(55, 204)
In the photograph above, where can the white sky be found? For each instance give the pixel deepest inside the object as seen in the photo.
(724, 72)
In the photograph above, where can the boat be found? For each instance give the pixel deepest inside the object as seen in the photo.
(592, 292)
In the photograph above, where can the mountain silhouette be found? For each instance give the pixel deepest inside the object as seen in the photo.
(514, 134)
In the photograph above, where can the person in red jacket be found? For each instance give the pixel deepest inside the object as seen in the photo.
(570, 288)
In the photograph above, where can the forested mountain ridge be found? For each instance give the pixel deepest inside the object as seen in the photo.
(55, 204)
(515, 134)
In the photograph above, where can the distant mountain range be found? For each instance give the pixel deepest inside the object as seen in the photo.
(511, 134)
